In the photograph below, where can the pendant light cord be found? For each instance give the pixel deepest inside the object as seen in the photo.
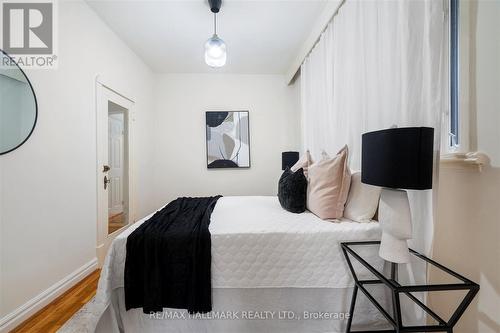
(215, 24)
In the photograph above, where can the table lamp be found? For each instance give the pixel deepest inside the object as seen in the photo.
(397, 159)
(288, 159)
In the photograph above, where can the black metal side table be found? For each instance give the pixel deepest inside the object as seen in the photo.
(397, 289)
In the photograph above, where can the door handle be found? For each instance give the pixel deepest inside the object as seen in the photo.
(105, 168)
(106, 182)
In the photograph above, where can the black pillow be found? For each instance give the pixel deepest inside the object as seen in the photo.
(292, 191)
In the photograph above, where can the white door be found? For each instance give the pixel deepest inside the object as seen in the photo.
(116, 134)
(114, 118)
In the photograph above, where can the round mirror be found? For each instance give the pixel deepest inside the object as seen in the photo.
(18, 107)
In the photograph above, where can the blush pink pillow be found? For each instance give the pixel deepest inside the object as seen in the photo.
(329, 182)
(304, 162)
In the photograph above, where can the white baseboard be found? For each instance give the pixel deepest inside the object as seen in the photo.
(16, 317)
(101, 255)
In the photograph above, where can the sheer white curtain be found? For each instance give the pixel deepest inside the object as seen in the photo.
(378, 63)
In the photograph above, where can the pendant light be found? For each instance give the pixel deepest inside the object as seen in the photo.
(215, 48)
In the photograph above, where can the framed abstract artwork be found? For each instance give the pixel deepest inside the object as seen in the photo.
(228, 139)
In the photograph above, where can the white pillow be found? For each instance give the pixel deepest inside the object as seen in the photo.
(362, 201)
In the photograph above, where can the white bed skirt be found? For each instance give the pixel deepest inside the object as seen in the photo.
(251, 310)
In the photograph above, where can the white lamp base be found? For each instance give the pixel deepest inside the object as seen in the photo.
(393, 249)
(395, 221)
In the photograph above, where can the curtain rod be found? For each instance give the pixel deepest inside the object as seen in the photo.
(292, 79)
(324, 29)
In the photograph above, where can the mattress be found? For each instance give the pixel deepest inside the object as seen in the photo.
(257, 244)
(263, 257)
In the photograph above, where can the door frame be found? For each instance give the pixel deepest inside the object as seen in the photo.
(103, 94)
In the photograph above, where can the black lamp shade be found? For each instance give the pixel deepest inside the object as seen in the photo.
(398, 158)
(288, 159)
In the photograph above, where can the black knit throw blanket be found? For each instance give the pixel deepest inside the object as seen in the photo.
(169, 257)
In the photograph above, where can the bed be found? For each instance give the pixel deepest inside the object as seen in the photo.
(272, 271)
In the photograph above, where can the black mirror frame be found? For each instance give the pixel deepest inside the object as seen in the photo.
(36, 105)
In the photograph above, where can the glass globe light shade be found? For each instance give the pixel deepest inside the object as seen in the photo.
(215, 52)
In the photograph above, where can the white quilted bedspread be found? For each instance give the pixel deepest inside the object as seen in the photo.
(257, 244)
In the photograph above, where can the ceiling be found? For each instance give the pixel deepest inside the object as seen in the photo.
(262, 36)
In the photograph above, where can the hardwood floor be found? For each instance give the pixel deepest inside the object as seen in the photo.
(116, 222)
(54, 315)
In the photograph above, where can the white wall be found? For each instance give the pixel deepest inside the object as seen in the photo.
(48, 186)
(466, 239)
(486, 62)
(467, 231)
(180, 153)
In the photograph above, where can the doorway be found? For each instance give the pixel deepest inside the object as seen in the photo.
(114, 172)
(117, 180)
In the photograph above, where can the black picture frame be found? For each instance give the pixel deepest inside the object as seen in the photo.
(224, 163)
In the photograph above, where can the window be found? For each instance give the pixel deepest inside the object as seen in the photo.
(454, 75)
